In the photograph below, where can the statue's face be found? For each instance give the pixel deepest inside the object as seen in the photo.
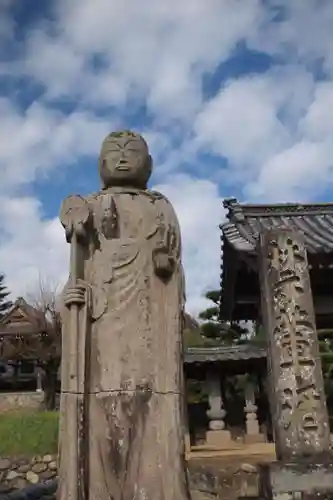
(125, 161)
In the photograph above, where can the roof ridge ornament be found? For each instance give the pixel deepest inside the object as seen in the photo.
(235, 211)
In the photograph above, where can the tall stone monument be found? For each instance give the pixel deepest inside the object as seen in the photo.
(122, 396)
(297, 398)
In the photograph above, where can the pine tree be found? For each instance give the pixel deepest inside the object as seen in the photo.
(213, 328)
(5, 305)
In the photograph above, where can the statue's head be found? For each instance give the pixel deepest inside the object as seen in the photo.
(125, 160)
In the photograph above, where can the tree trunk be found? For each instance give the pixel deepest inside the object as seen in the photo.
(50, 385)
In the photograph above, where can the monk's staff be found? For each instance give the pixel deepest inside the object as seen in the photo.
(74, 216)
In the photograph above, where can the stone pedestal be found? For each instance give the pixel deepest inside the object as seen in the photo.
(303, 480)
(218, 439)
(297, 397)
(217, 435)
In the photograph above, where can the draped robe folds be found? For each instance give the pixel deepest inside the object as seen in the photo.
(134, 372)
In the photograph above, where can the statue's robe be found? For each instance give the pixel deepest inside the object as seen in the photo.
(134, 373)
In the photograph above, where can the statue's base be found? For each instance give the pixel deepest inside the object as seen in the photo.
(254, 438)
(219, 439)
(303, 480)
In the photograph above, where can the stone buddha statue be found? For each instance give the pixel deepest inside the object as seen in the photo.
(122, 419)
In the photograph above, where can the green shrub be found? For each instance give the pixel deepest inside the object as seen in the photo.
(27, 433)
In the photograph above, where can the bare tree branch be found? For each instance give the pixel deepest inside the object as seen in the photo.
(45, 303)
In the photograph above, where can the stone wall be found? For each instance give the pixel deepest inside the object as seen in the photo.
(207, 481)
(15, 400)
(19, 472)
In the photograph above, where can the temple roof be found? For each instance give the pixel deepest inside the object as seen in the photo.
(223, 353)
(245, 223)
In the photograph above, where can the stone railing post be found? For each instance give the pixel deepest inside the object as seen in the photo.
(217, 435)
(252, 425)
(39, 376)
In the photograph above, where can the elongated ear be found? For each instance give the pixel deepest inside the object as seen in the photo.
(145, 173)
(149, 167)
(101, 169)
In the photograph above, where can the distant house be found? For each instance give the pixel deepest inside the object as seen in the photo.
(20, 330)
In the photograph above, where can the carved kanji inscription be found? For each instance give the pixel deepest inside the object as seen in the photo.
(297, 395)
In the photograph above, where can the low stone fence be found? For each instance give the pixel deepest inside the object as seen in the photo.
(10, 401)
(19, 472)
(206, 481)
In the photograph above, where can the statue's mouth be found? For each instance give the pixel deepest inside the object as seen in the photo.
(122, 166)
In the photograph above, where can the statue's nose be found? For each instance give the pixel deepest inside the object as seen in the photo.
(122, 162)
(122, 155)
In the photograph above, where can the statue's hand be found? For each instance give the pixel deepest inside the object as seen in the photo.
(75, 294)
(164, 263)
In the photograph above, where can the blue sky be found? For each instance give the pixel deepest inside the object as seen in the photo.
(234, 97)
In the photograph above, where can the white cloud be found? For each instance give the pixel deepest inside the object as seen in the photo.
(290, 38)
(241, 124)
(150, 51)
(30, 247)
(296, 174)
(276, 132)
(317, 123)
(199, 209)
(304, 168)
(41, 138)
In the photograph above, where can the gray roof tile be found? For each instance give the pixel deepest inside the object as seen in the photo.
(223, 353)
(247, 221)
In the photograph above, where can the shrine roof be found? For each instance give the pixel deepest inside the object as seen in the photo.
(223, 353)
(246, 221)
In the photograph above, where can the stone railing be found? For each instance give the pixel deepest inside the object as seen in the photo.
(19, 472)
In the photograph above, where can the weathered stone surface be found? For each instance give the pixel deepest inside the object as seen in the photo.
(225, 480)
(5, 463)
(250, 468)
(23, 468)
(12, 474)
(297, 393)
(10, 401)
(200, 495)
(121, 393)
(18, 483)
(296, 479)
(20, 460)
(39, 467)
(53, 465)
(47, 474)
(203, 479)
(32, 477)
(298, 403)
(48, 458)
